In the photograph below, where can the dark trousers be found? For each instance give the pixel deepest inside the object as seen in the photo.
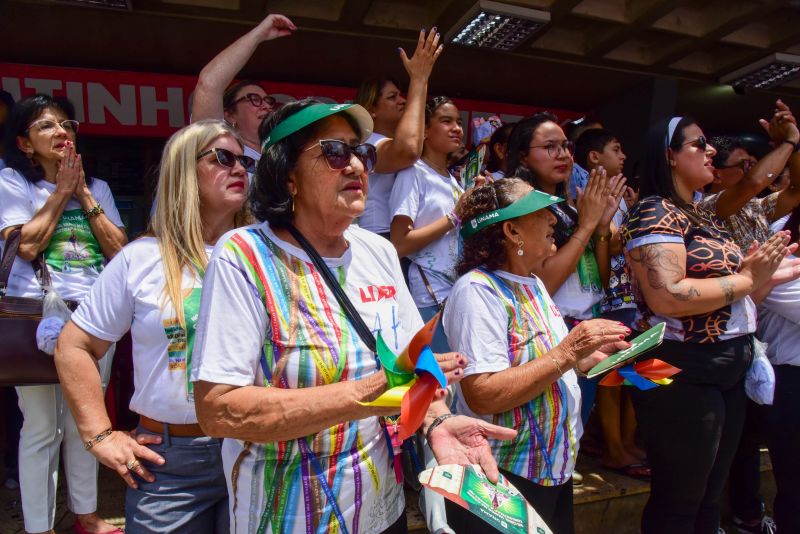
(553, 503)
(398, 527)
(690, 432)
(744, 480)
(783, 437)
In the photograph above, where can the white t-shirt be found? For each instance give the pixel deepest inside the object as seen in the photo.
(377, 217)
(73, 255)
(268, 319)
(130, 294)
(424, 195)
(500, 320)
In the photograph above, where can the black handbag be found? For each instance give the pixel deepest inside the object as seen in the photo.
(21, 361)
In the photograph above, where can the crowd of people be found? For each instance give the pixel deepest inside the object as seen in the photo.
(285, 239)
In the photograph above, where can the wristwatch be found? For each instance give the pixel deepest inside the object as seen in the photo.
(94, 211)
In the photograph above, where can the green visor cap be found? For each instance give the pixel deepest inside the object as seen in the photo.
(533, 201)
(314, 113)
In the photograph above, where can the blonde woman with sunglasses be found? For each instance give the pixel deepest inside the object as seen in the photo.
(72, 221)
(152, 288)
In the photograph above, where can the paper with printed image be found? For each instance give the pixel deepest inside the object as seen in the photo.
(641, 344)
(500, 505)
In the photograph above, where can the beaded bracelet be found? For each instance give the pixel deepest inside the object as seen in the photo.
(94, 211)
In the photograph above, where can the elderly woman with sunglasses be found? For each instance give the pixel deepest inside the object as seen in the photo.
(244, 104)
(152, 288)
(690, 275)
(72, 221)
(521, 357)
(282, 366)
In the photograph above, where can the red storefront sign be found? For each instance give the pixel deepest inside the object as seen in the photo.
(141, 104)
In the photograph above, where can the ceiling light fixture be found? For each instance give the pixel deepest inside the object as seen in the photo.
(119, 5)
(497, 26)
(771, 71)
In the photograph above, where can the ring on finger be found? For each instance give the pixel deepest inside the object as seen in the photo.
(133, 464)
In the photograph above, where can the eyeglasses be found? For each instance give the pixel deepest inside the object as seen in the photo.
(226, 158)
(554, 150)
(745, 164)
(256, 100)
(700, 142)
(48, 126)
(337, 154)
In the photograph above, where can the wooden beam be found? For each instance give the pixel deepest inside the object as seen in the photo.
(632, 30)
(757, 13)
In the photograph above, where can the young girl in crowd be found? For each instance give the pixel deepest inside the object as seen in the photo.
(173, 470)
(399, 127)
(424, 222)
(690, 275)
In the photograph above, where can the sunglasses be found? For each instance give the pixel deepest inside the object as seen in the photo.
(700, 142)
(226, 158)
(256, 100)
(743, 164)
(337, 154)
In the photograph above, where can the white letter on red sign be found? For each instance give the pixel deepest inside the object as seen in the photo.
(40, 85)
(150, 106)
(100, 99)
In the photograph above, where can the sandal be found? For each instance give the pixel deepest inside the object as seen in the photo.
(640, 471)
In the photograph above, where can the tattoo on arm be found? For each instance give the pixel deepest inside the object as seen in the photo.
(662, 265)
(727, 290)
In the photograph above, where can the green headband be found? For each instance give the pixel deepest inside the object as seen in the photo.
(533, 201)
(314, 113)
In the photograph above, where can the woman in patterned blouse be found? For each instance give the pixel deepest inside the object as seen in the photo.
(689, 274)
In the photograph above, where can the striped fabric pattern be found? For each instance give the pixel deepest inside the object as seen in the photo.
(309, 343)
(548, 427)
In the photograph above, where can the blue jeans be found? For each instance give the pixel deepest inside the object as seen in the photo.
(189, 493)
(439, 342)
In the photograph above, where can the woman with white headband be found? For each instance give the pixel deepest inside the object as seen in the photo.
(690, 275)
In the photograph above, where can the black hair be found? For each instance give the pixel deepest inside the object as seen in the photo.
(24, 113)
(725, 144)
(656, 178)
(433, 104)
(519, 143)
(485, 247)
(594, 139)
(8, 101)
(269, 197)
(500, 136)
(229, 96)
(575, 128)
(793, 225)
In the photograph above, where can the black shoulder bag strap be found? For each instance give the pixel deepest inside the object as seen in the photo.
(333, 284)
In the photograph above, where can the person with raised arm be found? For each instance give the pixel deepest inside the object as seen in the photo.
(399, 127)
(244, 104)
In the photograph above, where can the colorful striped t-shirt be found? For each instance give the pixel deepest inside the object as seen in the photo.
(268, 319)
(500, 320)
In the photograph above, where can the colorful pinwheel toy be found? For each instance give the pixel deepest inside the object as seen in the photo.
(644, 375)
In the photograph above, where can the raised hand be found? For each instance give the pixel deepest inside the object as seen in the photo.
(616, 185)
(631, 197)
(70, 170)
(783, 125)
(762, 262)
(275, 26)
(463, 440)
(428, 50)
(592, 202)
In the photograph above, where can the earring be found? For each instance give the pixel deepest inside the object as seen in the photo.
(520, 252)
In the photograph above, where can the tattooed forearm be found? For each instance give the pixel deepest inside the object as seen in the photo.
(664, 271)
(727, 290)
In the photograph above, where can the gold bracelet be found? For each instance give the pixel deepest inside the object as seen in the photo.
(601, 238)
(98, 438)
(94, 211)
(558, 367)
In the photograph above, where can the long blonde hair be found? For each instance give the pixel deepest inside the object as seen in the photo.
(176, 223)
